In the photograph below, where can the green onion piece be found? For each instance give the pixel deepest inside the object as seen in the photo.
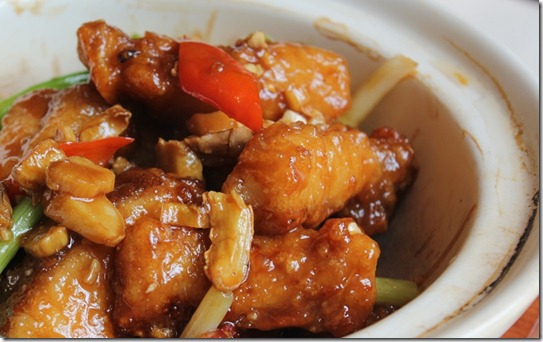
(209, 314)
(25, 216)
(395, 292)
(54, 83)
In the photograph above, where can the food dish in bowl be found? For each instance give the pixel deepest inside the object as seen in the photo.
(442, 229)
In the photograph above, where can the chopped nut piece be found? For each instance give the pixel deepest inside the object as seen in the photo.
(79, 177)
(205, 123)
(64, 133)
(227, 259)
(222, 145)
(94, 271)
(120, 165)
(46, 241)
(254, 68)
(257, 40)
(178, 158)
(292, 116)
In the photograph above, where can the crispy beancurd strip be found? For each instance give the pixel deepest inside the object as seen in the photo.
(46, 241)
(380, 82)
(184, 215)
(93, 218)
(227, 259)
(178, 158)
(6, 212)
(79, 177)
(209, 313)
(30, 171)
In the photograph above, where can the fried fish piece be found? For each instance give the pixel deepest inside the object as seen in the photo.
(322, 281)
(303, 78)
(159, 278)
(68, 296)
(306, 79)
(296, 174)
(299, 174)
(138, 71)
(143, 192)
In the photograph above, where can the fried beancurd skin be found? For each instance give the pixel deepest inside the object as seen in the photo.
(323, 281)
(306, 79)
(159, 278)
(68, 297)
(297, 175)
(137, 71)
(143, 192)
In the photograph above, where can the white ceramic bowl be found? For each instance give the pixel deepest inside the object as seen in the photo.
(468, 229)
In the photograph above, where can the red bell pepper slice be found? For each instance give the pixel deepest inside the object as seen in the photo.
(98, 151)
(213, 76)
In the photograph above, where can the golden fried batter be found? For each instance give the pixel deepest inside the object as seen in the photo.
(68, 297)
(142, 192)
(306, 79)
(323, 281)
(19, 125)
(136, 70)
(297, 175)
(159, 278)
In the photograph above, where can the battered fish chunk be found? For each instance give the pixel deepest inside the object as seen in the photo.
(136, 71)
(322, 281)
(306, 79)
(69, 297)
(298, 175)
(142, 192)
(19, 125)
(159, 278)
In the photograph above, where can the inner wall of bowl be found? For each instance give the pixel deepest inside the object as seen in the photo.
(433, 220)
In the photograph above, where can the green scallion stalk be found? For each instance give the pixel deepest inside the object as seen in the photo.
(54, 83)
(397, 292)
(25, 216)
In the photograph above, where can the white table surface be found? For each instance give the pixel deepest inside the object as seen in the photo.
(513, 24)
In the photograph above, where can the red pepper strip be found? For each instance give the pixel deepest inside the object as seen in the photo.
(213, 76)
(98, 151)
